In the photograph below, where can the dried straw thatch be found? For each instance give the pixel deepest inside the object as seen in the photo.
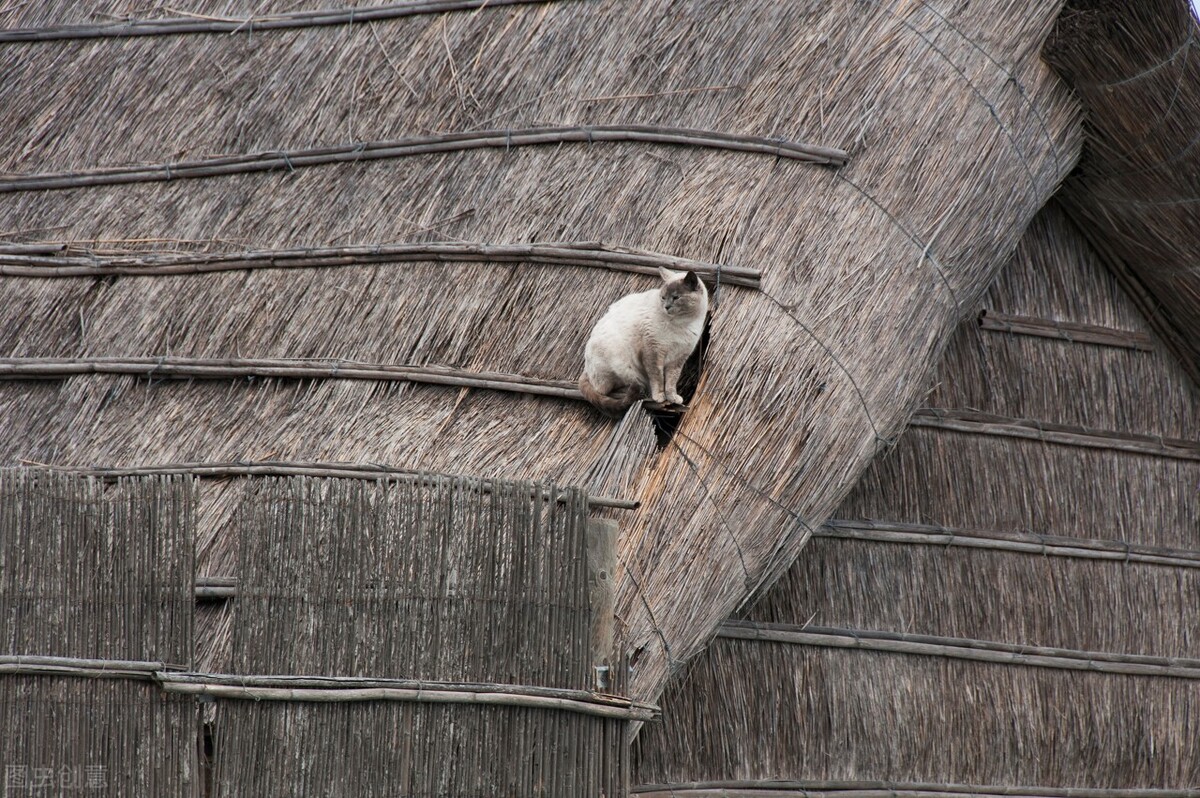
(994, 611)
(380, 628)
(957, 134)
(1136, 69)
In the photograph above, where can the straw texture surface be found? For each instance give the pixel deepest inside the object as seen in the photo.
(913, 653)
(957, 134)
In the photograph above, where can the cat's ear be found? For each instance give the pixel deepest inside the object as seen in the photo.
(668, 275)
(691, 282)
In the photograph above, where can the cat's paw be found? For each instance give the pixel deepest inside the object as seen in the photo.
(660, 397)
(674, 399)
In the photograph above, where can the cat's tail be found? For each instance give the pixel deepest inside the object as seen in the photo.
(613, 405)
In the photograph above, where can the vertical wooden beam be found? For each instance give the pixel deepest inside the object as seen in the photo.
(602, 566)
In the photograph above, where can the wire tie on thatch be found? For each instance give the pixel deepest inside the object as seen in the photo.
(167, 168)
(778, 142)
(716, 297)
(588, 130)
(287, 161)
(1187, 43)
(507, 140)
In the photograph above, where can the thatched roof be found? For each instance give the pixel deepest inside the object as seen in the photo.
(957, 134)
(1136, 69)
(990, 614)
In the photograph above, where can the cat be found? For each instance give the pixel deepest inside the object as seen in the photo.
(640, 344)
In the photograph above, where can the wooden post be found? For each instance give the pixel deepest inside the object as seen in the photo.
(602, 566)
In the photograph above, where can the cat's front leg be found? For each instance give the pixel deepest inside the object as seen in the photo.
(671, 388)
(656, 376)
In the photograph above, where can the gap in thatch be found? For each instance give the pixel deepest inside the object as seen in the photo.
(207, 756)
(666, 422)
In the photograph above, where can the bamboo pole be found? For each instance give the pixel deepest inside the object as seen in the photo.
(424, 145)
(1171, 336)
(276, 468)
(1048, 545)
(1066, 331)
(31, 249)
(21, 664)
(975, 423)
(963, 648)
(174, 26)
(263, 688)
(299, 368)
(215, 588)
(780, 788)
(34, 263)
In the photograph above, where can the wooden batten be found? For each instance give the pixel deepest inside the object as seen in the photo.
(602, 566)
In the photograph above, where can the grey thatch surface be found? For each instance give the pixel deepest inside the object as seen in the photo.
(889, 694)
(841, 714)
(1136, 69)
(948, 113)
(1056, 275)
(1113, 495)
(1102, 606)
(95, 572)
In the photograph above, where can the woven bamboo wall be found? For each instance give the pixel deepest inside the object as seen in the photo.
(417, 636)
(1008, 601)
(430, 579)
(95, 572)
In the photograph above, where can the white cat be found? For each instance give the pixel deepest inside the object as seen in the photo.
(640, 344)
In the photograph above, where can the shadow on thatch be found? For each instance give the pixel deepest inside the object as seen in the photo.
(1136, 69)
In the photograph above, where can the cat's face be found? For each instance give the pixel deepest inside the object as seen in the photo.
(682, 295)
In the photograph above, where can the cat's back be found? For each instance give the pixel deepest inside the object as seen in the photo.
(628, 313)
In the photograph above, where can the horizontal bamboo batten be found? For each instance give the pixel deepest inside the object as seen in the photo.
(346, 689)
(1026, 543)
(20, 664)
(1066, 331)
(424, 145)
(1137, 76)
(331, 689)
(174, 26)
(47, 260)
(988, 424)
(963, 648)
(279, 468)
(284, 368)
(782, 788)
